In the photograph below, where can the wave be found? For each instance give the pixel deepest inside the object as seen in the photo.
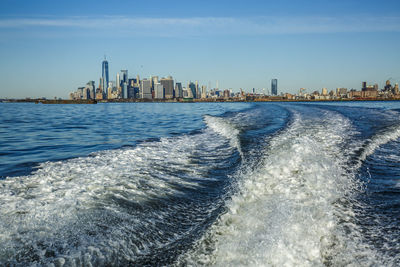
(225, 128)
(297, 206)
(389, 134)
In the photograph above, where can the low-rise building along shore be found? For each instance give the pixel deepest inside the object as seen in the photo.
(191, 100)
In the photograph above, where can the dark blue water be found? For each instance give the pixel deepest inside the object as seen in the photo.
(200, 184)
(33, 133)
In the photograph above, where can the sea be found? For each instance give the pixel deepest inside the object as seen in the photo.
(200, 184)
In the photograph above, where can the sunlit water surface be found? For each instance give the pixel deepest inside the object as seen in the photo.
(217, 184)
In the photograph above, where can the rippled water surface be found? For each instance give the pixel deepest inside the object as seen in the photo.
(216, 184)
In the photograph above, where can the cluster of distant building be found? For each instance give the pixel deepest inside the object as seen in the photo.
(367, 92)
(155, 88)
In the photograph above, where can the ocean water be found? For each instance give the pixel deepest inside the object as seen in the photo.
(215, 184)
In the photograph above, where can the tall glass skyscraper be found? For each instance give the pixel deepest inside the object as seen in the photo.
(124, 76)
(168, 84)
(192, 90)
(274, 87)
(178, 90)
(104, 75)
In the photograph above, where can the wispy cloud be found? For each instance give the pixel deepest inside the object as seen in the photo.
(199, 26)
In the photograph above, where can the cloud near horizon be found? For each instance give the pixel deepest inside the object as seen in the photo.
(203, 26)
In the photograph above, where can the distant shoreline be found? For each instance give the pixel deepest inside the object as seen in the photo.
(211, 100)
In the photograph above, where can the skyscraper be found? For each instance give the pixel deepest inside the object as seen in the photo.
(274, 87)
(124, 90)
(118, 80)
(124, 76)
(198, 93)
(154, 80)
(168, 84)
(104, 76)
(192, 90)
(203, 92)
(178, 90)
(158, 91)
(92, 89)
(123, 83)
(145, 89)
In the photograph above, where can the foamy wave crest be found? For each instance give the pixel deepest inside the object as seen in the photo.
(391, 134)
(289, 211)
(225, 128)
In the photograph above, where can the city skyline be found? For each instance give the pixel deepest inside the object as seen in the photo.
(168, 89)
(51, 49)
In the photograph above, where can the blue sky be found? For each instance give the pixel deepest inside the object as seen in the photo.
(49, 48)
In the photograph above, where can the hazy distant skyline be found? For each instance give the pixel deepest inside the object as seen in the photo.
(49, 48)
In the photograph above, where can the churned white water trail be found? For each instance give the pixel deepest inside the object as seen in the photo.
(233, 193)
(114, 207)
(293, 210)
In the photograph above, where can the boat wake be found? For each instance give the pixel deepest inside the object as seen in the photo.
(247, 189)
(299, 206)
(142, 205)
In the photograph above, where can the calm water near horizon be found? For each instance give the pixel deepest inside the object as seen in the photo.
(200, 184)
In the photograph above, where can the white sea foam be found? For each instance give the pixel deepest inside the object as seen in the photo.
(292, 210)
(74, 211)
